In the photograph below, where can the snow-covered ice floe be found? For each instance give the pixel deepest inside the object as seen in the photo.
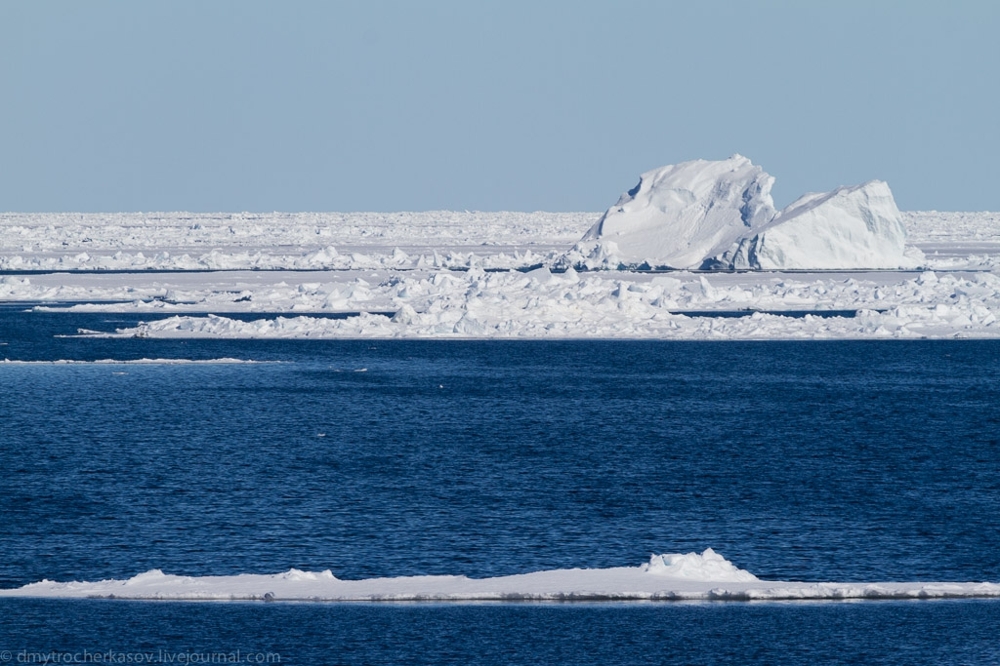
(720, 215)
(900, 323)
(541, 304)
(692, 576)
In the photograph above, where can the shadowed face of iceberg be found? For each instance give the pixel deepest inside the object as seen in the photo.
(720, 215)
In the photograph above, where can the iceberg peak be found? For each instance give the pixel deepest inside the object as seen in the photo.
(681, 213)
(705, 566)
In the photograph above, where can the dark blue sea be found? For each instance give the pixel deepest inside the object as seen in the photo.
(812, 461)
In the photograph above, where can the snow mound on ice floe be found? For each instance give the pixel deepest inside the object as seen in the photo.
(719, 215)
(706, 566)
(850, 227)
(679, 214)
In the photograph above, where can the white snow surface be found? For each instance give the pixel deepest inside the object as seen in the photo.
(444, 287)
(692, 576)
(720, 215)
(269, 241)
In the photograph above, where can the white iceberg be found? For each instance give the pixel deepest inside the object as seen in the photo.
(680, 214)
(720, 215)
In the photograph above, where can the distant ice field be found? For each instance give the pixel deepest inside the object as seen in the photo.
(67, 241)
(470, 275)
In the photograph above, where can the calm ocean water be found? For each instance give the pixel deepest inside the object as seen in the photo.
(795, 460)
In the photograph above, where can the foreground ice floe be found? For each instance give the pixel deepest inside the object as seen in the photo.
(693, 576)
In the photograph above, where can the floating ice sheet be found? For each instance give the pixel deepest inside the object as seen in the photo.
(691, 576)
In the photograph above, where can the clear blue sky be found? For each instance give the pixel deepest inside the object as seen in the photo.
(384, 106)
